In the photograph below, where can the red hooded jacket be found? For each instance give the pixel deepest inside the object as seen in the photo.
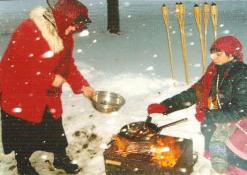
(28, 67)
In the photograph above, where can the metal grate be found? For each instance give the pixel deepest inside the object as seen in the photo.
(139, 163)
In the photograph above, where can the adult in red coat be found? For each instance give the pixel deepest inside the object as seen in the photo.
(37, 62)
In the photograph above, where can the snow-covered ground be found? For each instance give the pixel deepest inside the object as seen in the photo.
(134, 64)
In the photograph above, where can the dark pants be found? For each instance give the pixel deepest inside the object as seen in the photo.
(24, 137)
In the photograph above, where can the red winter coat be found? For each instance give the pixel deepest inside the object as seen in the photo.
(28, 68)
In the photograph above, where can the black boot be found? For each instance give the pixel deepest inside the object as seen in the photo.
(26, 170)
(24, 167)
(64, 162)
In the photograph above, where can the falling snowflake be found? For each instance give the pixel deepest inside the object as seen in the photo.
(222, 25)
(48, 54)
(183, 170)
(79, 50)
(31, 55)
(197, 78)
(155, 55)
(84, 33)
(126, 4)
(52, 110)
(150, 68)
(17, 110)
(226, 32)
(197, 65)
(190, 34)
(129, 16)
(136, 169)
(95, 41)
(187, 103)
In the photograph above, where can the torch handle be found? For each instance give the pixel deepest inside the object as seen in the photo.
(165, 14)
(214, 15)
(180, 11)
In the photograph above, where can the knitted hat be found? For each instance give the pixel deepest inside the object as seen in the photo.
(230, 45)
(69, 12)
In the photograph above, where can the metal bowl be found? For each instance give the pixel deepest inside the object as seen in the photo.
(104, 101)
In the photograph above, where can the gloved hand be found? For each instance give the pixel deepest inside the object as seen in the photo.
(156, 108)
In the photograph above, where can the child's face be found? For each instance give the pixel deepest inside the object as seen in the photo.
(220, 57)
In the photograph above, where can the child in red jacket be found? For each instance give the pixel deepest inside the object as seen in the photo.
(33, 69)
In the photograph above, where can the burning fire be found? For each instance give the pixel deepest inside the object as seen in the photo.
(121, 143)
(166, 151)
(163, 150)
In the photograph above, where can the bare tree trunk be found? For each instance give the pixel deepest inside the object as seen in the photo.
(113, 16)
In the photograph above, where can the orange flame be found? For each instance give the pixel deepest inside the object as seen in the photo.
(166, 151)
(121, 143)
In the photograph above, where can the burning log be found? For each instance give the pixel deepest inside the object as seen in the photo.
(166, 151)
(162, 155)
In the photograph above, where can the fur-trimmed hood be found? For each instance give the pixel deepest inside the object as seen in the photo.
(45, 22)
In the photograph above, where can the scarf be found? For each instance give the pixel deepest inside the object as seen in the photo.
(202, 91)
